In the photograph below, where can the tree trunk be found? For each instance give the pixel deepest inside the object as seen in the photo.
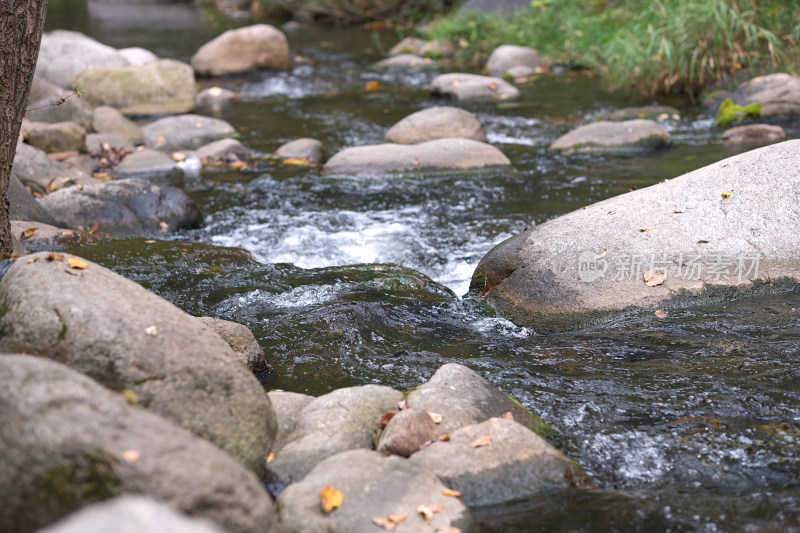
(21, 27)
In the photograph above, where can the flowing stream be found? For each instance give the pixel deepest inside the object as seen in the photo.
(690, 423)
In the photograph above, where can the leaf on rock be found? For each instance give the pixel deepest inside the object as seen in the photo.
(447, 529)
(451, 492)
(645, 229)
(726, 195)
(445, 437)
(481, 442)
(330, 498)
(27, 233)
(660, 313)
(373, 85)
(402, 404)
(52, 256)
(436, 417)
(301, 161)
(426, 512)
(508, 415)
(151, 330)
(271, 457)
(484, 292)
(385, 417)
(77, 262)
(654, 277)
(390, 522)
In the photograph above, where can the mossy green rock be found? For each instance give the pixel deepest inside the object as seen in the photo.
(165, 87)
(729, 112)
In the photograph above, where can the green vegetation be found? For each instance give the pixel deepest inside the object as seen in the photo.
(349, 12)
(730, 112)
(652, 46)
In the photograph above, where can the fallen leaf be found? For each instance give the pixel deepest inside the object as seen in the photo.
(27, 233)
(77, 262)
(151, 330)
(611, 212)
(426, 512)
(456, 83)
(660, 313)
(481, 441)
(52, 256)
(130, 396)
(436, 507)
(301, 161)
(271, 457)
(402, 404)
(645, 229)
(416, 162)
(678, 212)
(633, 187)
(702, 242)
(508, 415)
(493, 86)
(178, 156)
(484, 292)
(385, 417)
(397, 517)
(451, 492)
(436, 417)
(373, 85)
(149, 242)
(95, 227)
(67, 233)
(654, 277)
(130, 456)
(726, 195)
(72, 272)
(33, 259)
(52, 187)
(390, 522)
(445, 437)
(425, 445)
(215, 91)
(198, 124)
(330, 498)
(447, 529)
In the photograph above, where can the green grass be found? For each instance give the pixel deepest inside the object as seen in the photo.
(652, 46)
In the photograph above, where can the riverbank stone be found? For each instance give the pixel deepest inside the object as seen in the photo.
(260, 46)
(721, 229)
(629, 136)
(68, 441)
(406, 61)
(146, 163)
(43, 104)
(128, 207)
(138, 56)
(473, 87)
(498, 461)
(407, 432)
(240, 339)
(22, 204)
(451, 153)
(421, 48)
(505, 57)
(224, 150)
(344, 419)
(164, 87)
(374, 488)
(185, 132)
(107, 119)
(42, 174)
(753, 134)
(306, 149)
(287, 406)
(64, 54)
(36, 236)
(436, 123)
(778, 94)
(57, 137)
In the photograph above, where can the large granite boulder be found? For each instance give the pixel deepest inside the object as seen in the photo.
(138, 56)
(164, 87)
(629, 136)
(185, 132)
(722, 229)
(132, 206)
(57, 137)
(23, 206)
(473, 87)
(459, 154)
(506, 57)
(378, 493)
(68, 441)
(436, 123)
(148, 164)
(36, 170)
(778, 94)
(242, 50)
(65, 54)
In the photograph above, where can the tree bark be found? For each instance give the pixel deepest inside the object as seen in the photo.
(21, 27)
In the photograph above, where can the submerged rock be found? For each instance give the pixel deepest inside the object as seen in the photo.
(408, 45)
(507, 57)
(65, 54)
(68, 442)
(242, 50)
(306, 149)
(753, 133)
(439, 153)
(473, 87)
(628, 136)
(436, 123)
(722, 227)
(185, 132)
(227, 150)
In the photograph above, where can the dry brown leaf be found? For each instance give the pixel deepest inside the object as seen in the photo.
(77, 262)
(654, 277)
(660, 313)
(425, 444)
(397, 517)
(493, 86)
(436, 507)
(373, 85)
(445, 437)
(385, 417)
(451, 492)
(151, 330)
(402, 404)
(52, 256)
(131, 456)
(271, 457)
(436, 417)
(426, 512)
(330, 498)
(484, 292)
(150, 242)
(27, 233)
(645, 229)
(385, 523)
(130, 396)
(508, 415)
(481, 441)
(447, 529)
(33, 259)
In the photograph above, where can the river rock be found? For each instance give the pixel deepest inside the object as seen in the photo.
(473, 87)
(65, 54)
(408, 45)
(439, 153)
(462, 397)
(97, 142)
(287, 406)
(407, 432)
(47, 237)
(215, 96)
(241, 340)
(374, 488)
(659, 113)
(137, 56)
(506, 57)
(67, 442)
(229, 150)
(436, 123)
(498, 461)
(242, 50)
(44, 106)
(109, 120)
(131, 514)
(35, 169)
(57, 137)
(23, 206)
(753, 134)
(164, 87)
(344, 419)
(185, 132)
(406, 61)
(307, 149)
(722, 225)
(778, 94)
(129, 207)
(92, 319)
(629, 136)
(147, 163)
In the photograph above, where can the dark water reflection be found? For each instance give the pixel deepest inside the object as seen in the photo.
(689, 423)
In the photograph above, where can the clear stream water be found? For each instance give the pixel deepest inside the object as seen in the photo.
(691, 423)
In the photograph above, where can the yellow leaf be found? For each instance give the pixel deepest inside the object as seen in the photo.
(330, 498)
(373, 85)
(151, 330)
(27, 233)
(726, 195)
(481, 442)
(130, 396)
(451, 492)
(238, 165)
(77, 262)
(52, 187)
(297, 161)
(271, 457)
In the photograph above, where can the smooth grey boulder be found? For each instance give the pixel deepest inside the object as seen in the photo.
(287, 406)
(306, 148)
(473, 87)
(48, 237)
(722, 225)
(629, 136)
(439, 153)
(405, 61)
(137, 56)
(185, 132)
(23, 206)
(462, 397)
(373, 487)
(407, 432)
(659, 113)
(240, 339)
(107, 119)
(128, 207)
(436, 123)
(68, 441)
(505, 57)
(228, 149)
(57, 137)
(344, 419)
(48, 102)
(778, 94)
(164, 87)
(260, 46)
(131, 514)
(498, 461)
(35, 169)
(753, 134)
(97, 142)
(65, 54)
(147, 163)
